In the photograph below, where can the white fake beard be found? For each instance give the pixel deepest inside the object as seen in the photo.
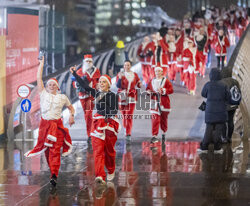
(86, 66)
(199, 37)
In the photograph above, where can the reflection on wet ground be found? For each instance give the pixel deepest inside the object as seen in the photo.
(166, 174)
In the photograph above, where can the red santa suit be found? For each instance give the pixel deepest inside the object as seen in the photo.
(145, 54)
(172, 61)
(160, 57)
(105, 127)
(191, 60)
(220, 46)
(127, 98)
(160, 103)
(85, 98)
(201, 42)
(179, 49)
(52, 134)
(232, 28)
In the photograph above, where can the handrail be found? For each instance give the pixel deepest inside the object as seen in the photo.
(239, 68)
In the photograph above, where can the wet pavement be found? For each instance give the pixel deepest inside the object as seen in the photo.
(170, 173)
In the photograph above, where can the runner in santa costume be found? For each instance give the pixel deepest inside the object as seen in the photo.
(160, 58)
(179, 39)
(242, 23)
(105, 126)
(191, 61)
(145, 57)
(159, 88)
(201, 40)
(92, 75)
(221, 43)
(232, 27)
(52, 134)
(126, 83)
(172, 58)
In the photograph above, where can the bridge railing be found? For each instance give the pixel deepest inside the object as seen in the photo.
(239, 66)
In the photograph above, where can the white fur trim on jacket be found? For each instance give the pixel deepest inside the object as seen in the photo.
(52, 138)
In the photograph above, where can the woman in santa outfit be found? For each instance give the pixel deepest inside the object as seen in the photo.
(145, 54)
(105, 127)
(126, 82)
(92, 75)
(52, 134)
(159, 88)
(221, 43)
(191, 62)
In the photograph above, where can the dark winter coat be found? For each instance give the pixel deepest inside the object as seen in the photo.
(217, 96)
(229, 82)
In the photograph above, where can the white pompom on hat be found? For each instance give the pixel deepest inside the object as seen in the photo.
(158, 68)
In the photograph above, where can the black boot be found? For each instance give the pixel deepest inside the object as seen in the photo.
(53, 180)
(89, 140)
(163, 138)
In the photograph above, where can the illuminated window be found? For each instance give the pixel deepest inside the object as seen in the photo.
(136, 14)
(128, 38)
(135, 21)
(127, 6)
(116, 6)
(135, 5)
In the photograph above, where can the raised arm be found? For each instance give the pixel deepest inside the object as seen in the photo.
(40, 84)
(82, 83)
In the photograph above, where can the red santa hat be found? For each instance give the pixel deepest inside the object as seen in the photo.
(107, 78)
(190, 40)
(53, 80)
(158, 68)
(88, 57)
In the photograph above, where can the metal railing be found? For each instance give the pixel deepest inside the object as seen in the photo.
(239, 66)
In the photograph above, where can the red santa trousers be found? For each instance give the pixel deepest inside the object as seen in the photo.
(146, 69)
(104, 153)
(88, 106)
(127, 116)
(172, 71)
(159, 121)
(190, 81)
(52, 137)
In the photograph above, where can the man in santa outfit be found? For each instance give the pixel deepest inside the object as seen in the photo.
(179, 39)
(159, 88)
(92, 75)
(145, 54)
(191, 62)
(52, 134)
(126, 82)
(172, 58)
(221, 43)
(201, 40)
(160, 50)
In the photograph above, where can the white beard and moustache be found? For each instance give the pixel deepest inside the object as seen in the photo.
(86, 66)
